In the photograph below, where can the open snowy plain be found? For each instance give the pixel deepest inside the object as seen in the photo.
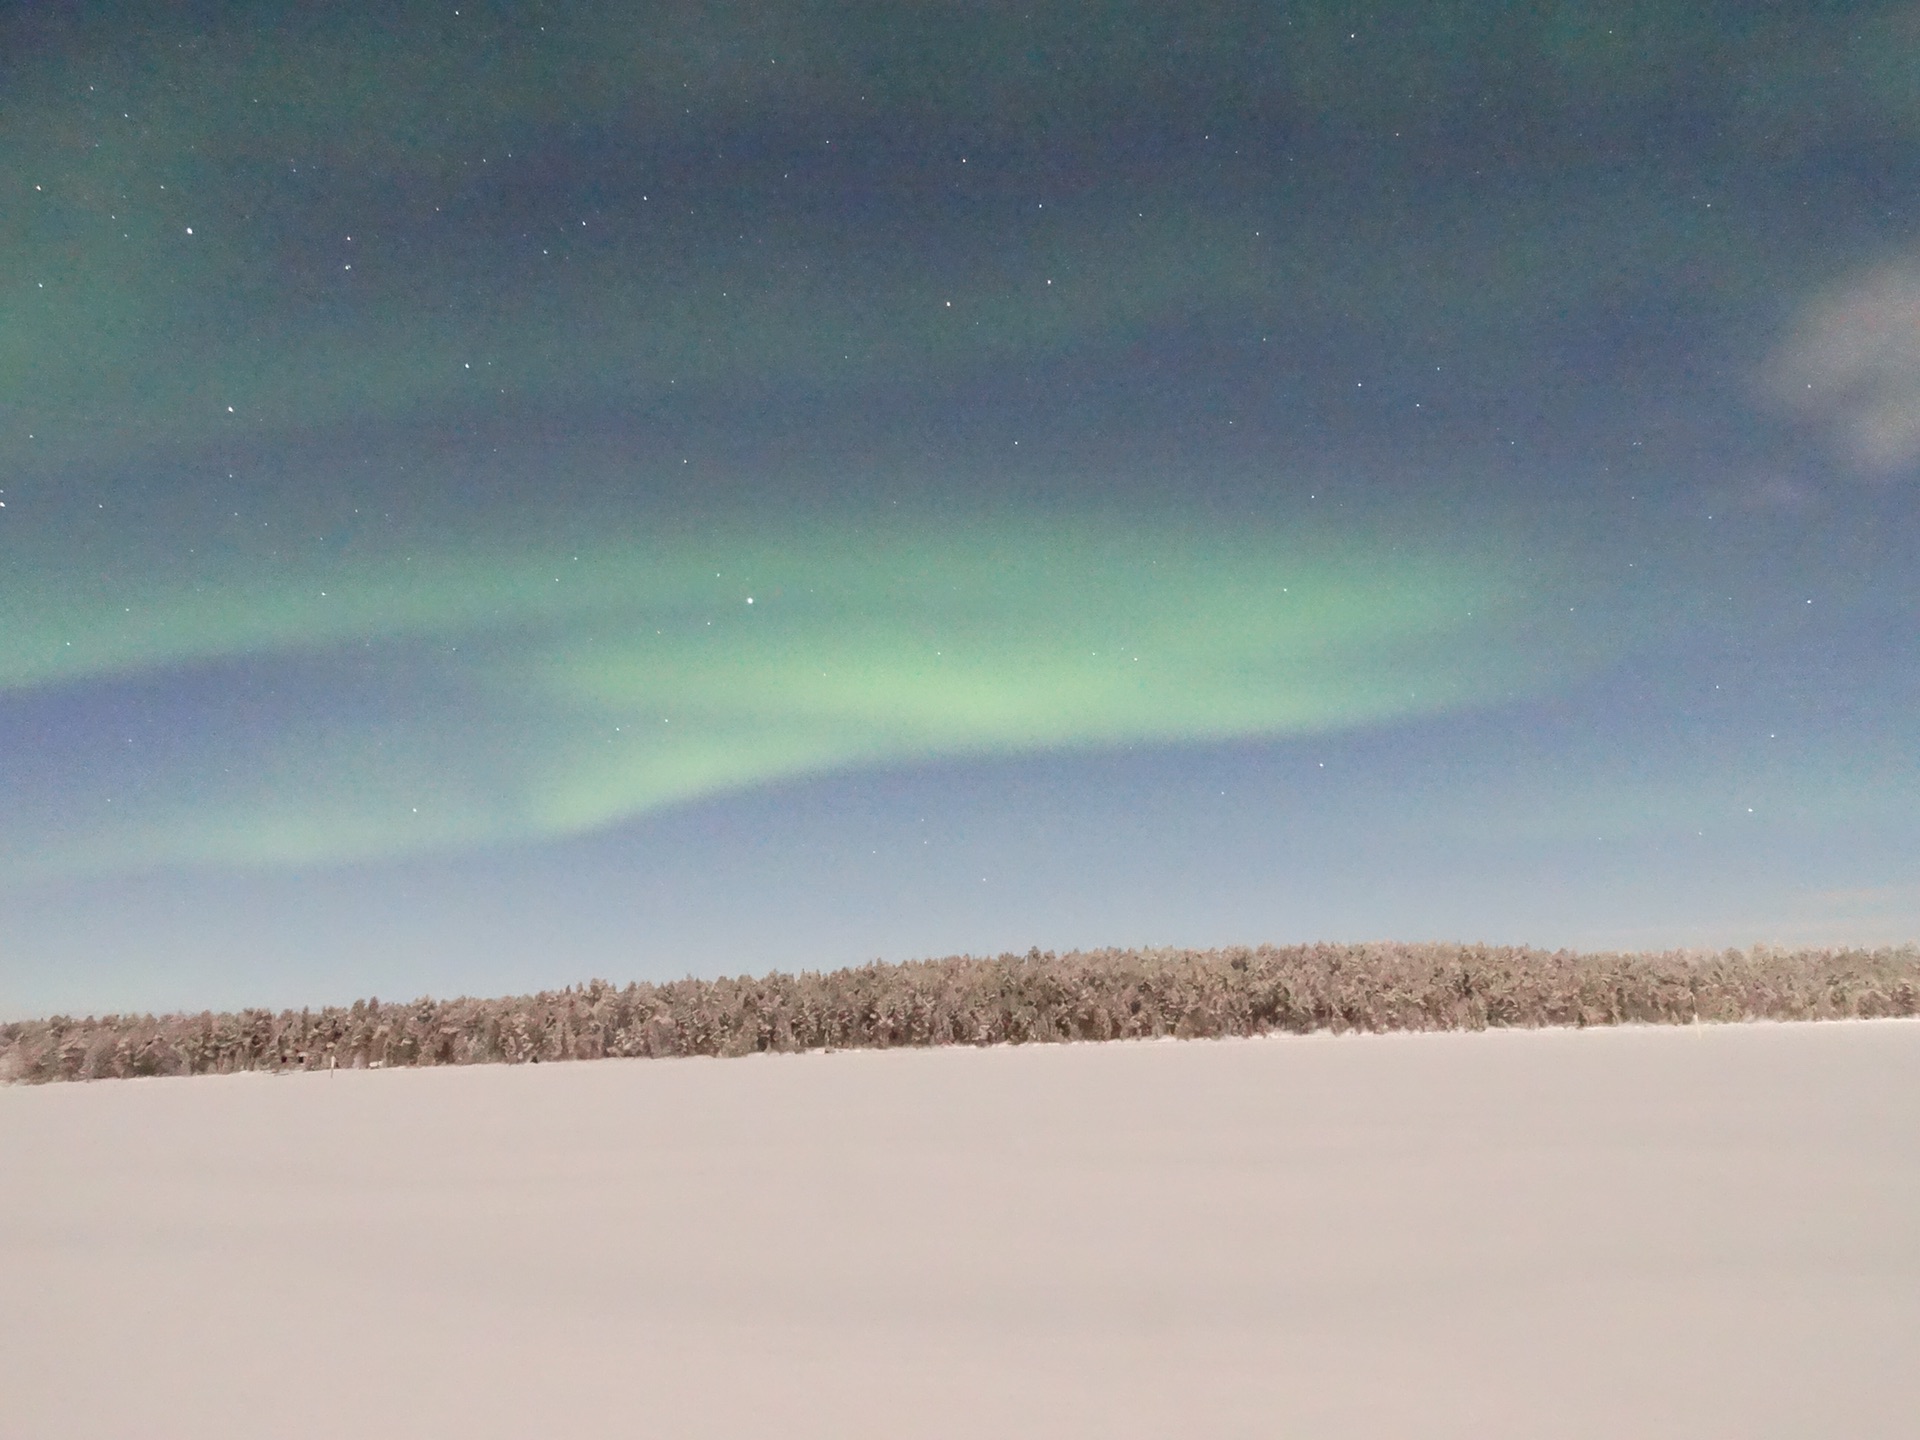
(1647, 1232)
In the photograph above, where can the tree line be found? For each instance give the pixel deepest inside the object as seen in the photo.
(1017, 999)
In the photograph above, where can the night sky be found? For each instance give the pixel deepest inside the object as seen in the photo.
(499, 494)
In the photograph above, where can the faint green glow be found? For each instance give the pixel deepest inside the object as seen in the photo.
(1032, 638)
(570, 688)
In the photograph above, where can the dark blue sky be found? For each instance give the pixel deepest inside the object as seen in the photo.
(498, 494)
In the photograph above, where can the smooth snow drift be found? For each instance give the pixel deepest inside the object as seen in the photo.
(1647, 1232)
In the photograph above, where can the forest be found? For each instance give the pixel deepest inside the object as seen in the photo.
(1009, 999)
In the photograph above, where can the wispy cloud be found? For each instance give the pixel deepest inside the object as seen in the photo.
(1852, 364)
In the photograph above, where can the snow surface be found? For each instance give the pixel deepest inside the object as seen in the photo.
(1647, 1232)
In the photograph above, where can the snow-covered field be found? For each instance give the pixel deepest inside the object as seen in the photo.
(1645, 1232)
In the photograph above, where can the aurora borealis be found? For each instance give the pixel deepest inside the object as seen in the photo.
(494, 494)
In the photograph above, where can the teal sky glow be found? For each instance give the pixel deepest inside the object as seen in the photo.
(494, 492)
(574, 687)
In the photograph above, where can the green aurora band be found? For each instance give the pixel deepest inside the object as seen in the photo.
(554, 689)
